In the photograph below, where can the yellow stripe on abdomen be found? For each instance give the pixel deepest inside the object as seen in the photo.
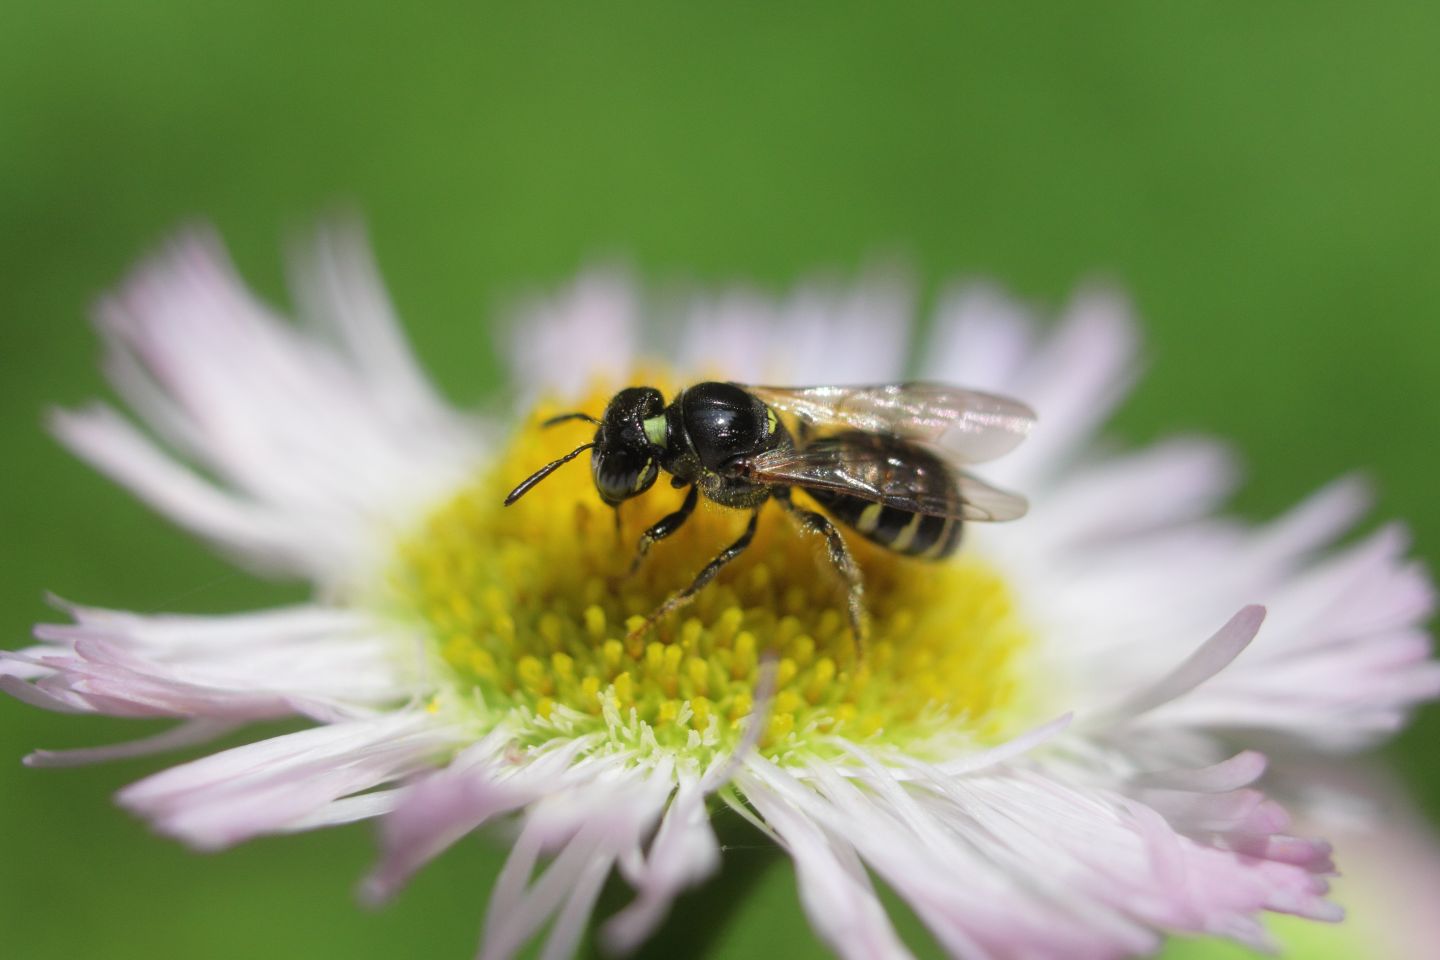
(869, 518)
(906, 536)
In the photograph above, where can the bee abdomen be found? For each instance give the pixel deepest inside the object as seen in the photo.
(905, 532)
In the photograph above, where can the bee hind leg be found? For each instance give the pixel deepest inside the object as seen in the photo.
(812, 522)
(706, 574)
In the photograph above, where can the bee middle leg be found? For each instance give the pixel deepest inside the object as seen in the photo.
(812, 522)
(663, 528)
(708, 573)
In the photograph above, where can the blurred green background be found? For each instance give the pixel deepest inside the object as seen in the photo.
(1262, 177)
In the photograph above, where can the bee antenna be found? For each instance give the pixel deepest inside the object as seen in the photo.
(544, 472)
(564, 417)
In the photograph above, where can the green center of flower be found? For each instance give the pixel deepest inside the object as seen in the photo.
(530, 609)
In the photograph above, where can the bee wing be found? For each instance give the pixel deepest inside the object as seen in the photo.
(984, 502)
(971, 425)
(874, 473)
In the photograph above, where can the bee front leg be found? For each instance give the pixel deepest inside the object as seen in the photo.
(664, 528)
(812, 522)
(707, 574)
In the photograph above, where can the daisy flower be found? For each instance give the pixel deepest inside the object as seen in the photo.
(1051, 747)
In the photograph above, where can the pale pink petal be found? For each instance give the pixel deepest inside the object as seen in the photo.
(981, 339)
(431, 816)
(340, 289)
(590, 827)
(1165, 484)
(727, 335)
(683, 853)
(1342, 660)
(1017, 863)
(182, 735)
(822, 333)
(1213, 656)
(440, 808)
(1311, 525)
(268, 786)
(857, 333)
(364, 806)
(326, 663)
(249, 532)
(313, 445)
(590, 331)
(99, 678)
(1243, 812)
(1367, 588)
(1238, 771)
(1391, 857)
(903, 767)
(1073, 380)
(574, 915)
(834, 889)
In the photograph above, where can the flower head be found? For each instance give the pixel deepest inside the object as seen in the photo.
(1047, 748)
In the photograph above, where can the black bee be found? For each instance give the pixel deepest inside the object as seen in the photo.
(872, 456)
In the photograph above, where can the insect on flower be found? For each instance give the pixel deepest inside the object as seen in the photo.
(1046, 750)
(870, 455)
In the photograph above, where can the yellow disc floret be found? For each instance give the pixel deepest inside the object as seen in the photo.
(530, 609)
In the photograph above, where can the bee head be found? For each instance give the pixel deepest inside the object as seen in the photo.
(625, 460)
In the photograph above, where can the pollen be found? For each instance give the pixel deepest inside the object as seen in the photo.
(529, 612)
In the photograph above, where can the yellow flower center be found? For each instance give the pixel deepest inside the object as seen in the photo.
(530, 609)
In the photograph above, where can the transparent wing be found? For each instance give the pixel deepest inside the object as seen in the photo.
(974, 426)
(884, 473)
(984, 502)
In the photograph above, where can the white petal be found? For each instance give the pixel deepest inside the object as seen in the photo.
(820, 334)
(376, 803)
(1343, 657)
(728, 336)
(1238, 771)
(271, 785)
(186, 734)
(1165, 484)
(903, 767)
(323, 662)
(834, 888)
(563, 344)
(248, 531)
(620, 807)
(981, 339)
(1073, 381)
(1214, 655)
(1017, 863)
(683, 853)
(858, 334)
(312, 445)
(440, 808)
(339, 286)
